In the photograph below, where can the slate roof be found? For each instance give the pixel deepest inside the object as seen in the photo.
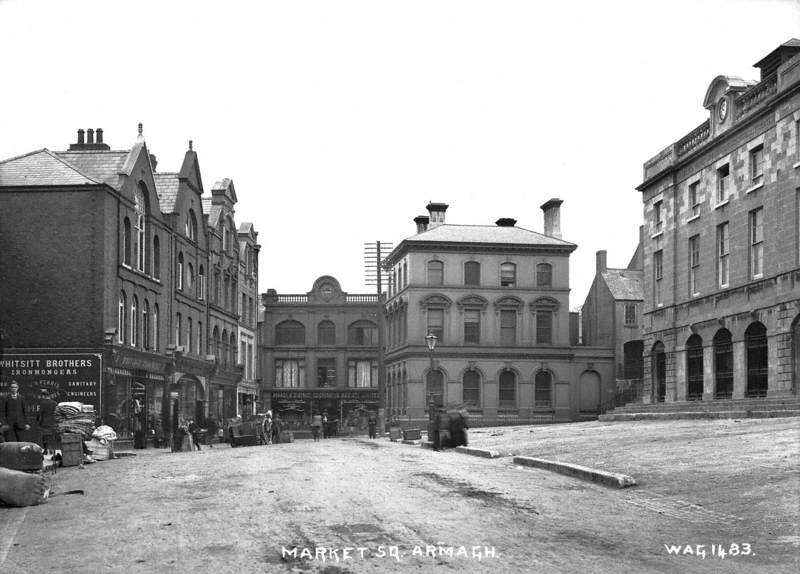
(41, 168)
(167, 189)
(625, 284)
(102, 165)
(448, 233)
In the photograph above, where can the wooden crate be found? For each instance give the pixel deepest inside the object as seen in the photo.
(71, 449)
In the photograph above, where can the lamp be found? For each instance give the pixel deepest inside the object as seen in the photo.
(431, 339)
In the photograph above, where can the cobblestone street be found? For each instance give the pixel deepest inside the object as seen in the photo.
(355, 505)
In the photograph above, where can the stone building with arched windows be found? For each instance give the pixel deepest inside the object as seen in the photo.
(722, 245)
(106, 270)
(496, 297)
(319, 354)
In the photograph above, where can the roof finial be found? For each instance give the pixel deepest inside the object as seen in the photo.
(190, 145)
(140, 128)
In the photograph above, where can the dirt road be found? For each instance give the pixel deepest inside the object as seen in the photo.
(354, 505)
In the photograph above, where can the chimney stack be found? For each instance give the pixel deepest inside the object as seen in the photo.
(90, 136)
(602, 267)
(89, 143)
(422, 223)
(437, 211)
(506, 222)
(552, 217)
(80, 137)
(99, 132)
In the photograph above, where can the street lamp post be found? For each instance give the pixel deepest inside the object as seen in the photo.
(433, 419)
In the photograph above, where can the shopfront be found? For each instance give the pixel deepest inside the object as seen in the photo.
(348, 408)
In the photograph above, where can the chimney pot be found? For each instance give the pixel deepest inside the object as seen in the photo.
(552, 217)
(80, 137)
(602, 266)
(506, 222)
(422, 223)
(99, 132)
(90, 136)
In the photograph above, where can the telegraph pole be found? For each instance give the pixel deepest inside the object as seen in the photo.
(373, 264)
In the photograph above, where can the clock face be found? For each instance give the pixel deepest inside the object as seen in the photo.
(722, 108)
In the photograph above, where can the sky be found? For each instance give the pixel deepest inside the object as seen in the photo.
(338, 121)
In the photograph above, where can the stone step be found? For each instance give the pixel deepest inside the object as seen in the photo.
(729, 414)
(718, 404)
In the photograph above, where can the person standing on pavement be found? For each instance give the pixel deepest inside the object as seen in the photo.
(371, 424)
(194, 431)
(46, 417)
(14, 414)
(316, 426)
(266, 428)
(276, 429)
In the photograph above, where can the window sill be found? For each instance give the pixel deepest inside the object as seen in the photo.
(797, 165)
(757, 277)
(658, 234)
(754, 187)
(721, 204)
(693, 218)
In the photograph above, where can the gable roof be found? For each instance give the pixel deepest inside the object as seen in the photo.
(103, 165)
(625, 284)
(42, 168)
(167, 189)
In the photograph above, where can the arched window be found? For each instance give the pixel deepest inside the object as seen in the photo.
(140, 205)
(180, 271)
(405, 273)
(126, 242)
(122, 318)
(507, 391)
(233, 348)
(189, 335)
(225, 350)
(156, 258)
(290, 333)
(694, 368)
(191, 225)
(544, 275)
(156, 332)
(146, 335)
(659, 372)
(723, 364)
(362, 333)
(178, 329)
(508, 275)
(216, 344)
(189, 277)
(326, 333)
(543, 389)
(201, 284)
(471, 389)
(134, 321)
(435, 273)
(200, 349)
(755, 338)
(434, 391)
(472, 273)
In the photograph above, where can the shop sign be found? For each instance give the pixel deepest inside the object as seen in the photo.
(72, 376)
(306, 395)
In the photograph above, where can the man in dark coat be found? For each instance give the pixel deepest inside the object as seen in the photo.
(14, 414)
(46, 417)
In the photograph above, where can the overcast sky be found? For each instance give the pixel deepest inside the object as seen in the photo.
(338, 121)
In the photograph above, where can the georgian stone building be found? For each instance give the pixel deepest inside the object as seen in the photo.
(319, 353)
(722, 244)
(105, 295)
(496, 297)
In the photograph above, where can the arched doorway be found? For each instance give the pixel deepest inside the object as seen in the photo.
(755, 338)
(659, 372)
(795, 354)
(590, 392)
(434, 388)
(694, 368)
(723, 365)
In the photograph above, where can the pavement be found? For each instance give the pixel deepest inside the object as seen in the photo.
(710, 496)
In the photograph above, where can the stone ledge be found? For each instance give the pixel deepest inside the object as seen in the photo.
(612, 479)
(481, 452)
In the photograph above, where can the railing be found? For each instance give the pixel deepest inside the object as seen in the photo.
(291, 298)
(628, 394)
(755, 95)
(694, 138)
(362, 299)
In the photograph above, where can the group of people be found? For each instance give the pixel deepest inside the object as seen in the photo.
(14, 418)
(271, 428)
